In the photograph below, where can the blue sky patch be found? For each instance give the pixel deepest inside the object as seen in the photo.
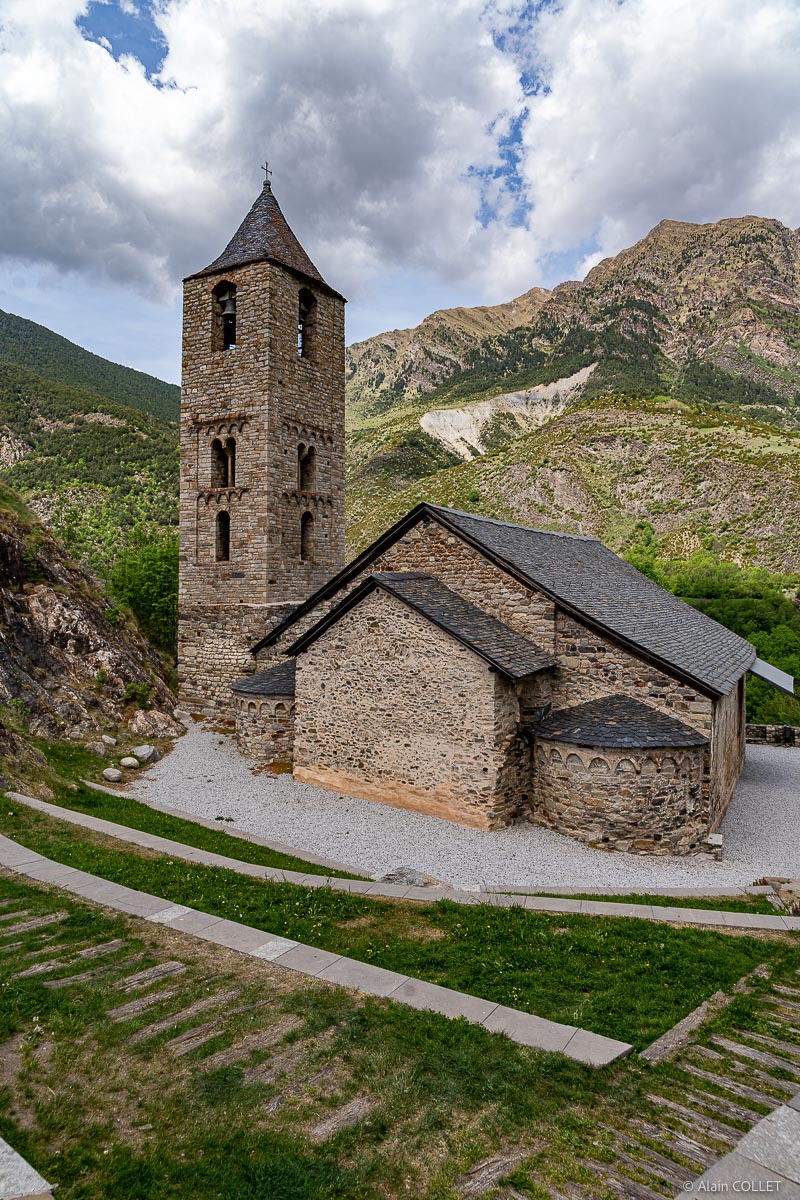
(128, 29)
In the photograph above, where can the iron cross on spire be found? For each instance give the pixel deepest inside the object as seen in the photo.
(267, 172)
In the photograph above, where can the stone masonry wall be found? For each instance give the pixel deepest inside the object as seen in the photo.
(265, 728)
(590, 666)
(727, 753)
(214, 649)
(773, 735)
(644, 802)
(391, 708)
(273, 404)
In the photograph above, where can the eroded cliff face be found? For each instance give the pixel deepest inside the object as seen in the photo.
(70, 665)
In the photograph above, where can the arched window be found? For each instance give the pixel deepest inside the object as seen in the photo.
(223, 546)
(306, 537)
(305, 309)
(306, 468)
(223, 328)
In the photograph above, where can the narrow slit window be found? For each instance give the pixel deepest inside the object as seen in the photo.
(306, 537)
(230, 454)
(223, 536)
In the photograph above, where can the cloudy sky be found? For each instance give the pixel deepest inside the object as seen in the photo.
(426, 152)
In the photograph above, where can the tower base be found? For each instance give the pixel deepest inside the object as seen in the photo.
(214, 643)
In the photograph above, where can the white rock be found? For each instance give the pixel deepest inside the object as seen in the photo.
(146, 754)
(128, 761)
(108, 739)
(112, 775)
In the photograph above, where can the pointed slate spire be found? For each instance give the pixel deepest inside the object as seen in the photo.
(264, 234)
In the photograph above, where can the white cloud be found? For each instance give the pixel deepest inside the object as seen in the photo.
(372, 113)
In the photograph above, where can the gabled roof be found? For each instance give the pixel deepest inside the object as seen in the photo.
(264, 235)
(506, 650)
(616, 721)
(588, 581)
(277, 681)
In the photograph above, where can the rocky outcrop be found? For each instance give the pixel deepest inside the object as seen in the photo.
(70, 665)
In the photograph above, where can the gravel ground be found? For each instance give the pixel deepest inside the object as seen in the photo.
(205, 775)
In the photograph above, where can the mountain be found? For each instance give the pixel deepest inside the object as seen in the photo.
(92, 446)
(664, 389)
(54, 358)
(707, 312)
(70, 665)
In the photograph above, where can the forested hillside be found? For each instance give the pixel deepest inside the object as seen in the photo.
(54, 358)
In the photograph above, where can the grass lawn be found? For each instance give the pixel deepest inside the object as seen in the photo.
(625, 978)
(72, 762)
(111, 1119)
(755, 904)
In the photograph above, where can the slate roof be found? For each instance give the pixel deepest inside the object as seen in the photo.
(277, 681)
(616, 721)
(589, 581)
(510, 652)
(264, 234)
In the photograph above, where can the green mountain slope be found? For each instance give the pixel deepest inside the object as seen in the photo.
(700, 478)
(54, 358)
(92, 468)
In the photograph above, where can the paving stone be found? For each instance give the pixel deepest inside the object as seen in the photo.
(363, 977)
(194, 921)
(430, 997)
(528, 1029)
(794, 1102)
(140, 904)
(735, 1170)
(50, 872)
(274, 948)
(689, 916)
(306, 959)
(12, 855)
(234, 936)
(754, 920)
(775, 1142)
(18, 1178)
(594, 1049)
(552, 904)
(167, 915)
(613, 908)
(396, 890)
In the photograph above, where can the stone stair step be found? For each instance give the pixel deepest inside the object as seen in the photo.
(71, 980)
(727, 1134)
(185, 1014)
(668, 1139)
(621, 1185)
(125, 1012)
(186, 1042)
(663, 1169)
(732, 1085)
(354, 1111)
(259, 1040)
(759, 1056)
(723, 1106)
(783, 1086)
(774, 1044)
(151, 975)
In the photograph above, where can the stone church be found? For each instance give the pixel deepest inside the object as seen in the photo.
(464, 667)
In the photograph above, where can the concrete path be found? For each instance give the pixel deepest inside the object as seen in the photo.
(767, 1159)
(599, 908)
(522, 1027)
(18, 1180)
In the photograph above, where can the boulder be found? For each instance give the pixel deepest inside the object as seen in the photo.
(97, 748)
(146, 754)
(129, 761)
(108, 739)
(152, 723)
(112, 775)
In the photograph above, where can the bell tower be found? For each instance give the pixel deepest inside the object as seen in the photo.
(261, 447)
